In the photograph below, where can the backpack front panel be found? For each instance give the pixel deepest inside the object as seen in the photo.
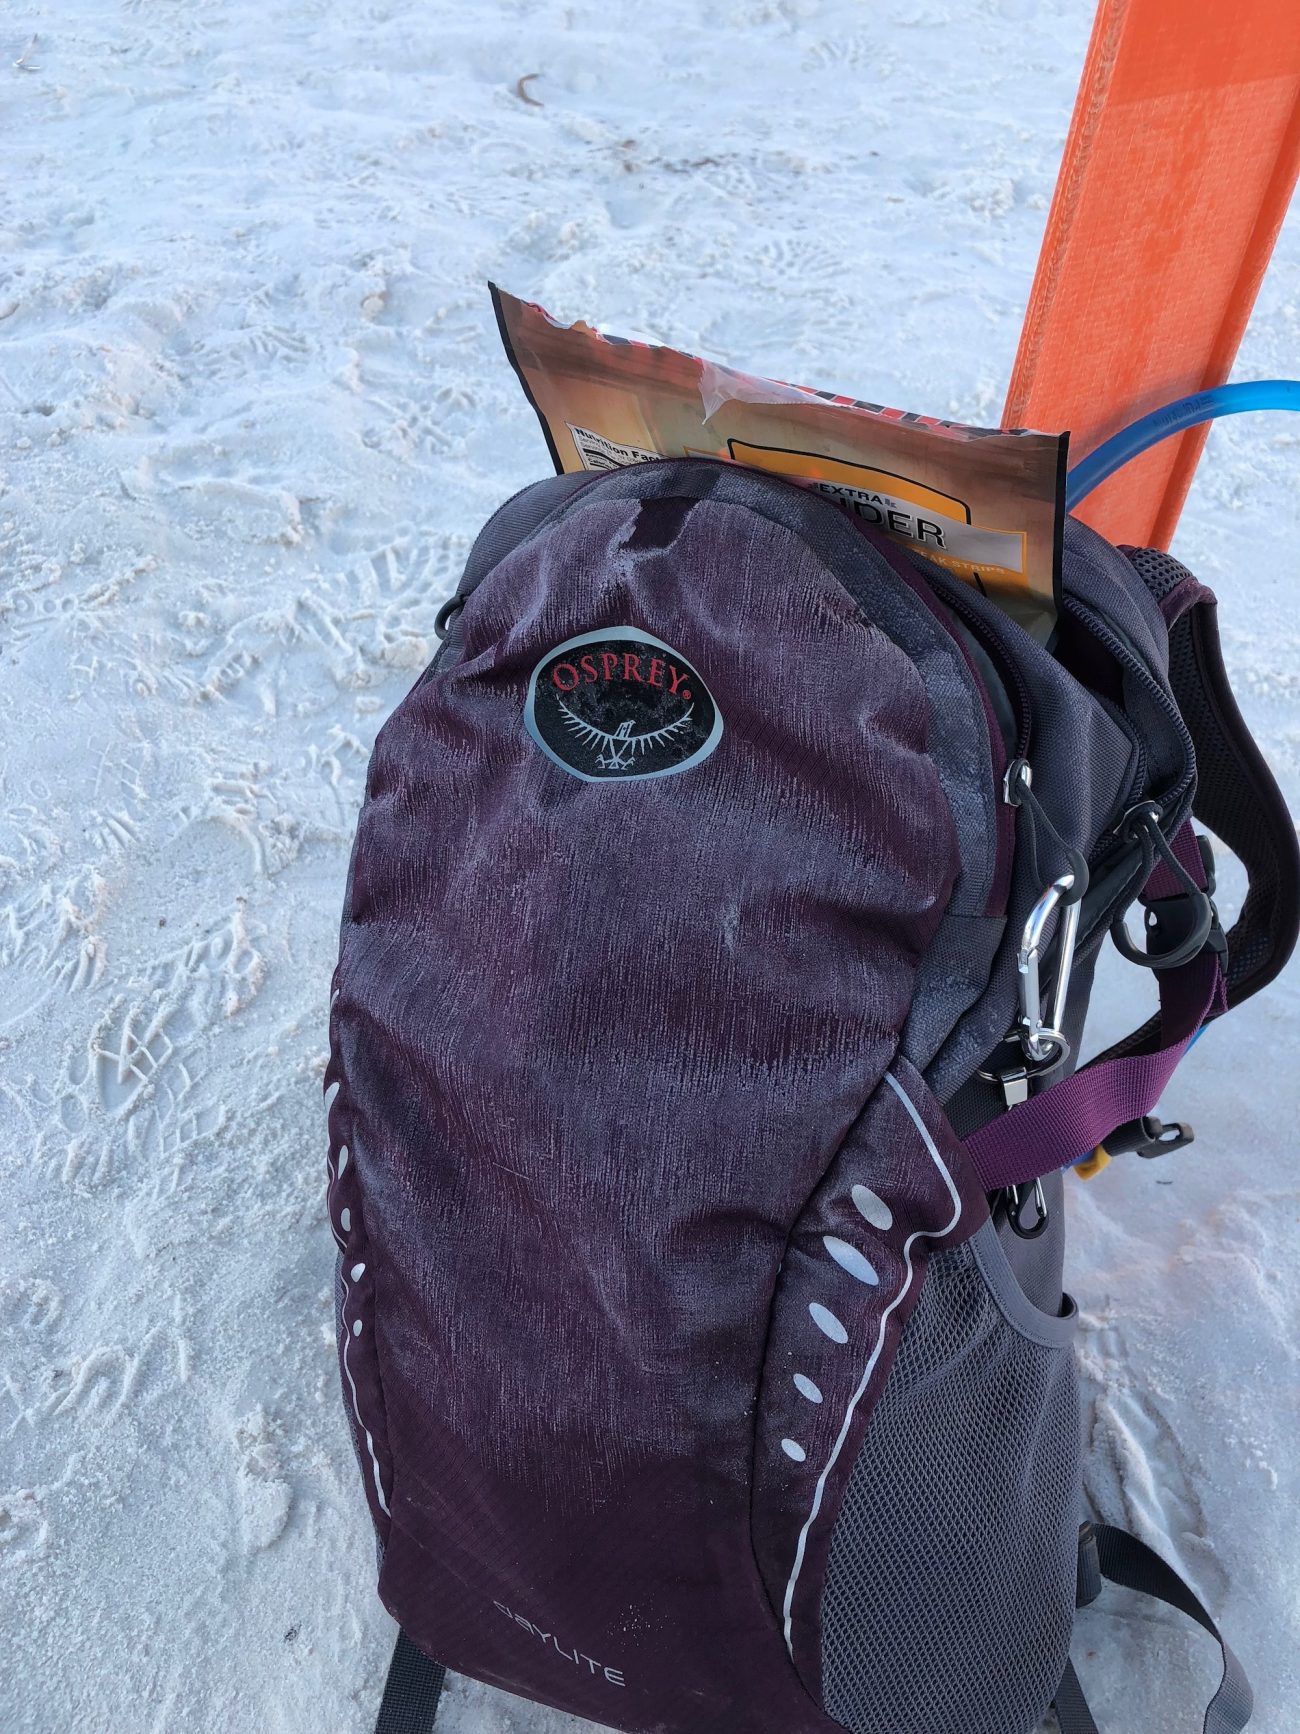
(598, 1043)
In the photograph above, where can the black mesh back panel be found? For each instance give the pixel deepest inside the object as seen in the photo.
(950, 1591)
(1159, 571)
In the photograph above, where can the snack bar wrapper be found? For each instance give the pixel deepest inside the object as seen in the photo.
(987, 504)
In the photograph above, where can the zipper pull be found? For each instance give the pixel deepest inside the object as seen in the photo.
(1017, 781)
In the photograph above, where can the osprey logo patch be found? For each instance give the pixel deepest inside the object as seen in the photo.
(620, 704)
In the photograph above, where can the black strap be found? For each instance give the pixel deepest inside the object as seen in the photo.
(411, 1691)
(1072, 1713)
(1236, 794)
(1105, 1552)
(1238, 799)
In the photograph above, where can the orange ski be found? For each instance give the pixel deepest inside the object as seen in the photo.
(1181, 159)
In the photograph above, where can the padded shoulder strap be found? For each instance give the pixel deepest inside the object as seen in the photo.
(1236, 795)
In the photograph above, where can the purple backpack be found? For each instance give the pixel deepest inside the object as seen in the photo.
(717, 941)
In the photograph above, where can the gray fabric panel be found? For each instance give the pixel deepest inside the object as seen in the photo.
(1018, 1270)
(1036, 1265)
(1102, 579)
(949, 1595)
(1082, 760)
(954, 973)
(1100, 575)
(513, 523)
(998, 695)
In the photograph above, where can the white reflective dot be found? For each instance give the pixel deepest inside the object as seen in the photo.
(356, 1327)
(345, 1221)
(793, 1449)
(872, 1208)
(805, 1387)
(330, 1094)
(827, 1323)
(343, 1157)
(358, 1271)
(850, 1259)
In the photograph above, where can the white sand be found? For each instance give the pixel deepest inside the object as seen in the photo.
(252, 408)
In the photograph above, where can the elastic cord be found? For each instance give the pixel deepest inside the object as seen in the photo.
(1154, 842)
(1038, 816)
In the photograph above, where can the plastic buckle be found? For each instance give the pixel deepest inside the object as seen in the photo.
(1177, 1135)
(1206, 848)
(1218, 939)
(1148, 1137)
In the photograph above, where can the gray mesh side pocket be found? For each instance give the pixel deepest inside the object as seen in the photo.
(949, 1591)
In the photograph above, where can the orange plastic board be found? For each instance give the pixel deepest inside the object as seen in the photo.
(1181, 159)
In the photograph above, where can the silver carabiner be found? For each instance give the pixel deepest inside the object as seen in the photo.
(1043, 1040)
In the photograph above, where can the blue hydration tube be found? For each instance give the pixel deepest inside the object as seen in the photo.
(1175, 418)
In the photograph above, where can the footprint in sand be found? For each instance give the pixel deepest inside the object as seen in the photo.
(137, 1087)
(1137, 1471)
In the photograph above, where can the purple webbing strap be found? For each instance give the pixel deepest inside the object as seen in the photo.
(1069, 1120)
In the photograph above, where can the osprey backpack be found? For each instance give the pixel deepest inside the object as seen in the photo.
(716, 946)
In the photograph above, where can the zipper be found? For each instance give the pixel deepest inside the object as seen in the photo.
(1109, 843)
(1017, 691)
(1012, 678)
(950, 593)
(1128, 658)
(998, 666)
